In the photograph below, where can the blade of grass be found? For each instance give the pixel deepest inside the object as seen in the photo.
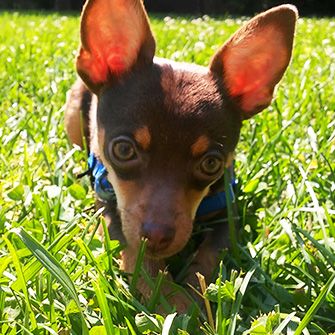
(150, 282)
(324, 251)
(154, 299)
(104, 307)
(284, 323)
(53, 266)
(168, 324)
(319, 329)
(26, 331)
(130, 327)
(316, 305)
(113, 286)
(230, 212)
(89, 255)
(203, 287)
(138, 265)
(330, 221)
(107, 244)
(237, 303)
(31, 269)
(318, 212)
(22, 280)
(219, 318)
(48, 329)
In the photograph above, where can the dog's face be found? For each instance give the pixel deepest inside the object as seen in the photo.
(166, 135)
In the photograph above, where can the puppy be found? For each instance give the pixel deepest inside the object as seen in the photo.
(161, 134)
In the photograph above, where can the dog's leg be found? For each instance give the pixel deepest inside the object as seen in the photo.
(152, 266)
(77, 108)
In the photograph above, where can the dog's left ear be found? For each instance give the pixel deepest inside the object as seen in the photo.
(255, 58)
(115, 38)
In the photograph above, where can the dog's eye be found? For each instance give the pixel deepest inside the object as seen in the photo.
(123, 150)
(211, 165)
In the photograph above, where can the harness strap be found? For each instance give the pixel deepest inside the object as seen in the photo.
(102, 187)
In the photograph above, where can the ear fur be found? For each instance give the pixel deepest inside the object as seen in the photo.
(255, 58)
(115, 37)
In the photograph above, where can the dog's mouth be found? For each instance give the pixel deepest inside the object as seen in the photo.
(160, 253)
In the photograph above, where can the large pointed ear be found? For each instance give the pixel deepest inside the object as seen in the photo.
(255, 58)
(115, 37)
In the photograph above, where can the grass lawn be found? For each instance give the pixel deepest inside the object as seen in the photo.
(57, 277)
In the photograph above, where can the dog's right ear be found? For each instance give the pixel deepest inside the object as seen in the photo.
(254, 59)
(115, 37)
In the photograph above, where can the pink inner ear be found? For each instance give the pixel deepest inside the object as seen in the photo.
(114, 55)
(112, 34)
(115, 60)
(252, 67)
(94, 65)
(250, 78)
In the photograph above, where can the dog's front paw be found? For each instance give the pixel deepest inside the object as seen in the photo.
(172, 300)
(180, 302)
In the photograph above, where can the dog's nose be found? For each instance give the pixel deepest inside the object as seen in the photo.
(159, 236)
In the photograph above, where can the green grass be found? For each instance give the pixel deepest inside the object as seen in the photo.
(57, 277)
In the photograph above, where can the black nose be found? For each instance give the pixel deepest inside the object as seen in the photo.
(159, 236)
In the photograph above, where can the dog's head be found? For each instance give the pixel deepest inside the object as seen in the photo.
(165, 134)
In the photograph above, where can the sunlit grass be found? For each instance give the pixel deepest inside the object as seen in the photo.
(285, 166)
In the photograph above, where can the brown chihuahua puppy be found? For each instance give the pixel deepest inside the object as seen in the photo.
(162, 133)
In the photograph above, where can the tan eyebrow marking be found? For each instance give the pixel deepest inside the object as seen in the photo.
(143, 137)
(200, 146)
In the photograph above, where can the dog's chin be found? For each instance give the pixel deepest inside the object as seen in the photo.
(157, 255)
(165, 253)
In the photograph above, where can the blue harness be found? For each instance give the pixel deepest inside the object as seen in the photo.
(105, 192)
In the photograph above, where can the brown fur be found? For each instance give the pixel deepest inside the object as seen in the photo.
(173, 115)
